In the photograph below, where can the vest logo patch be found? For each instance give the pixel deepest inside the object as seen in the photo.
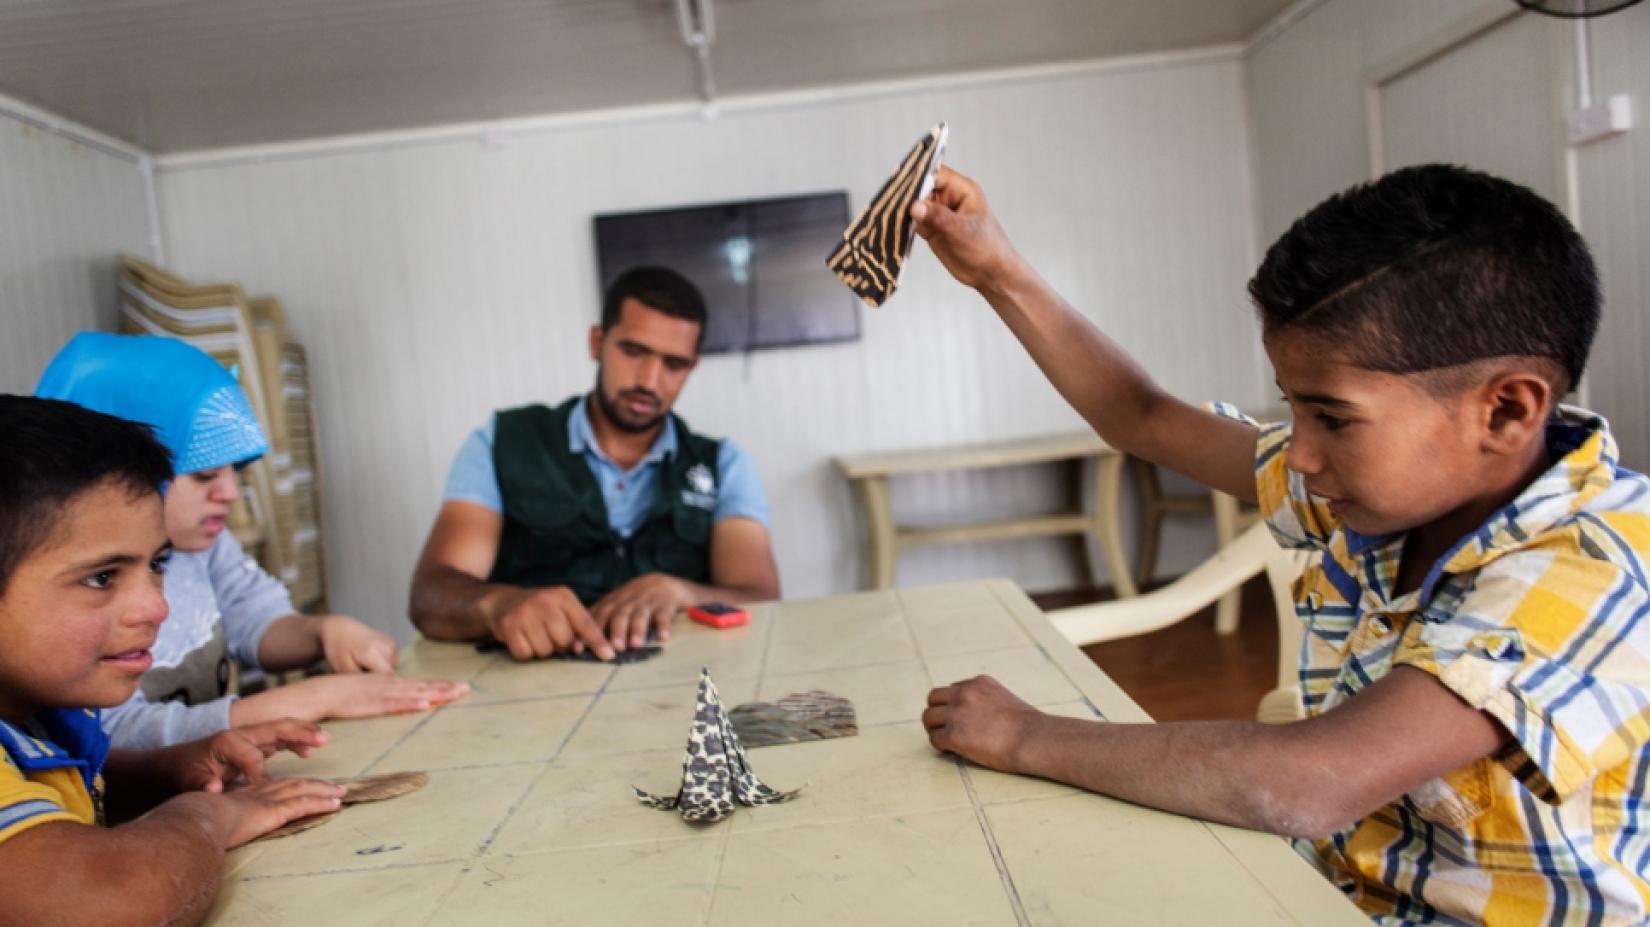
(701, 488)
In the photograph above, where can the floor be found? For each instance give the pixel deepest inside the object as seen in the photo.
(1188, 672)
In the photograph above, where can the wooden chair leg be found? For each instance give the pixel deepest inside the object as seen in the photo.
(1086, 571)
(1149, 491)
(1229, 610)
(1108, 486)
(879, 532)
(1283, 704)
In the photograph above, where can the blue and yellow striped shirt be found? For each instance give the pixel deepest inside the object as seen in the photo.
(57, 776)
(1537, 619)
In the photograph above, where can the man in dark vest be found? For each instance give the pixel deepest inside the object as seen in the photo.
(591, 523)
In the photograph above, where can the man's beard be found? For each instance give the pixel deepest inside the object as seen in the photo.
(621, 419)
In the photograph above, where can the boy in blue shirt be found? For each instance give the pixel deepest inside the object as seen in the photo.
(82, 551)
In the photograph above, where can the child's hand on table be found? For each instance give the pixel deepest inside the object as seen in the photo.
(357, 695)
(214, 763)
(370, 695)
(245, 814)
(352, 647)
(981, 721)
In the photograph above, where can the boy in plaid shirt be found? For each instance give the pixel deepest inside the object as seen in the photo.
(1476, 674)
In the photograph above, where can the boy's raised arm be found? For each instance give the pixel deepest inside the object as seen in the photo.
(1122, 403)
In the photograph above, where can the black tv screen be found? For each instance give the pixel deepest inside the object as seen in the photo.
(759, 263)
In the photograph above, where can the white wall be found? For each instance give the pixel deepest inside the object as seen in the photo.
(433, 282)
(1614, 208)
(66, 210)
(1310, 138)
(1306, 96)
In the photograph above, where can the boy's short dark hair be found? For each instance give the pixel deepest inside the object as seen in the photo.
(51, 452)
(658, 288)
(1432, 267)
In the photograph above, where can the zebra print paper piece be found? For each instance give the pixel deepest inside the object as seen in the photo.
(874, 247)
(800, 716)
(715, 772)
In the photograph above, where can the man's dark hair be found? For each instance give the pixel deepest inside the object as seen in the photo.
(52, 451)
(658, 288)
(1432, 267)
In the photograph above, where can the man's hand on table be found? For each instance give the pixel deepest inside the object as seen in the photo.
(980, 721)
(534, 623)
(652, 599)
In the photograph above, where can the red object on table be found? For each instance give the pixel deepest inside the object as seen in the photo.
(719, 615)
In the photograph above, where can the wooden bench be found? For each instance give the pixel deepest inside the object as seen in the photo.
(869, 475)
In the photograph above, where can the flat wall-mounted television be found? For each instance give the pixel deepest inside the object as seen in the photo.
(759, 263)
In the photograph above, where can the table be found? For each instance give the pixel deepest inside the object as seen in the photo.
(869, 474)
(528, 817)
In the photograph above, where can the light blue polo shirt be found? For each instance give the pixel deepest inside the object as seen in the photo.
(629, 495)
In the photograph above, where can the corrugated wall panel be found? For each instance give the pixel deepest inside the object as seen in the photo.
(435, 282)
(1615, 216)
(66, 210)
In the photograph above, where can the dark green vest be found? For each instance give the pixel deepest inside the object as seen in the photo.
(556, 531)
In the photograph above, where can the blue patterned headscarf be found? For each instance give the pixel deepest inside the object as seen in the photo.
(194, 405)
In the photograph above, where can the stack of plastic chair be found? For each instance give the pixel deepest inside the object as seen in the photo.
(218, 320)
(285, 367)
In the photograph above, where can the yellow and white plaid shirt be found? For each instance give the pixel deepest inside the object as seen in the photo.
(1539, 619)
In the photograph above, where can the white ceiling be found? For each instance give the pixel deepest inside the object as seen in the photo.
(176, 75)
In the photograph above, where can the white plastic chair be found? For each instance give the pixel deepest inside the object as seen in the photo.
(1254, 551)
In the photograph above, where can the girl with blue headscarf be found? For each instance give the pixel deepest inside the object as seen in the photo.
(222, 605)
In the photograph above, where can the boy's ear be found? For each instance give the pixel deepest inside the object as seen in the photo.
(595, 342)
(1516, 403)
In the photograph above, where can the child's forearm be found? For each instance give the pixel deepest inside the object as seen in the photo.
(1242, 773)
(291, 642)
(161, 869)
(145, 725)
(139, 780)
(296, 700)
(1117, 397)
(1305, 779)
